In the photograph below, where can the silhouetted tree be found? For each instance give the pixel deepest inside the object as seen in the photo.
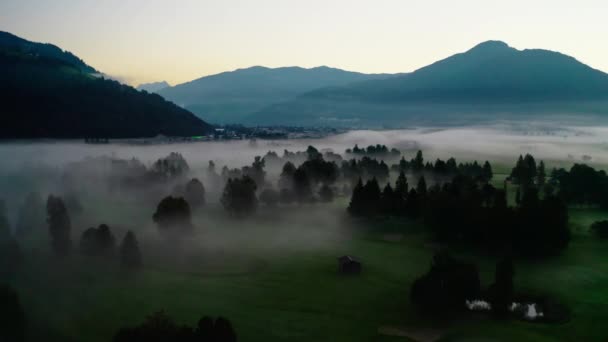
(195, 193)
(60, 225)
(286, 179)
(446, 286)
(421, 186)
(301, 186)
(12, 317)
(256, 171)
(173, 212)
(418, 162)
(98, 241)
(541, 176)
(239, 196)
(159, 327)
(487, 173)
(401, 185)
(130, 256)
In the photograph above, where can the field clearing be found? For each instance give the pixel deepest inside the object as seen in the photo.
(279, 293)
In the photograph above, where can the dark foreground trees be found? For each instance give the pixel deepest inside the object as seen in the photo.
(446, 286)
(98, 241)
(12, 317)
(59, 224)
(173, 213)
(239, 197)
(159, 327)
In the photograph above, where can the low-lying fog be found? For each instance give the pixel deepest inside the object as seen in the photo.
(498, 143)
(39, 166)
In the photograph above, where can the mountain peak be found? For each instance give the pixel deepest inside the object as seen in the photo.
(491, 45)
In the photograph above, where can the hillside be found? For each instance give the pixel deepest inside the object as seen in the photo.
(228, 97)
(48, 93)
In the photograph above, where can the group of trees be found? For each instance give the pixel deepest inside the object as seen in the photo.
(468, 209)
(93, 242)
(466, 212)
(378, 150)
(100, 242)
(450, 282)
(445, 169)
(368, 200)
(582, 185)
(239, 197)
(365, 168)
(159, 327)
(173, 214)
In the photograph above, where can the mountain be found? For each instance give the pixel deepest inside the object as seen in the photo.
(491, 78)
(46, 92)
(153, 87)
(228, 97)
(10, 42)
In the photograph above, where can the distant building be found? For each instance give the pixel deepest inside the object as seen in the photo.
(348, 265)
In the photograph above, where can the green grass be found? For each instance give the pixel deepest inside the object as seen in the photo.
(276, 293)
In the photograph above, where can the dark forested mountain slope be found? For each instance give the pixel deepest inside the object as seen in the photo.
(48, 93)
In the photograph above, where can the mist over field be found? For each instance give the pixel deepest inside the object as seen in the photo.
(271, 250)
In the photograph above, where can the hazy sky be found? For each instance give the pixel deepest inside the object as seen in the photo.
(153, 40)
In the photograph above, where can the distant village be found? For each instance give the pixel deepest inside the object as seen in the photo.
(232, 132)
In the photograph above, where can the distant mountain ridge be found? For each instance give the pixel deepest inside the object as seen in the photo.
(153, 87)
(491, 77)
(230, 96)
(46, 92)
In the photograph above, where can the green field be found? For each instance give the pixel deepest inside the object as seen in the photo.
(276, 279)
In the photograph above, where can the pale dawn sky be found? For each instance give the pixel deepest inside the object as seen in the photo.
(177, 41)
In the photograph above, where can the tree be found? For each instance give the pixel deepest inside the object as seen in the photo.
(487, 173)
(421, 186)
(326, 194)
(239, 197)
(541, 175)
(270, 197)
(173, 212)
(195, 193)
(60, 225)
(31, 216)
(256, 171)
(418, 162)
(446, 286)
(501, 291)
(301, 185)
(98, 241)
(356, 207)
(401, 186)
(12, 317)
(286, 178)
(130, 256)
